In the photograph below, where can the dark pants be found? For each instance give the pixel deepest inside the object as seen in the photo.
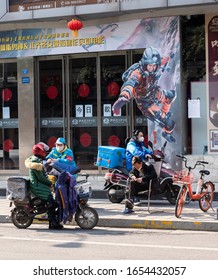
(136, 187)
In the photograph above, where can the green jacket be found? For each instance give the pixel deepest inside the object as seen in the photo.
(39, 183)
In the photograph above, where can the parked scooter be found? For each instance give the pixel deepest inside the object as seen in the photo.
(117, 180)
(27, 207)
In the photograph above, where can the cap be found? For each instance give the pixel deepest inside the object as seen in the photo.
(60, 140)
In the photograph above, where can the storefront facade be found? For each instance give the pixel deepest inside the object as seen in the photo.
(56, 85)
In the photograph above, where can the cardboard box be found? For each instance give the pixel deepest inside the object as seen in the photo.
(110, 156)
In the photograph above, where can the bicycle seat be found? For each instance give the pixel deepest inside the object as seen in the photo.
(205, 172)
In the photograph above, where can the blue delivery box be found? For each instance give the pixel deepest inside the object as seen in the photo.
(110, 156)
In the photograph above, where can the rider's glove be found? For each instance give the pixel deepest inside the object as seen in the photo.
(119, 104)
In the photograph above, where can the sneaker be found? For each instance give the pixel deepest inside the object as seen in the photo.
(128, 211)
(136, 201)
(129, 203)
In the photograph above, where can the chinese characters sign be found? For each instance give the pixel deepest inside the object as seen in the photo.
(28, 5)
(213, 69)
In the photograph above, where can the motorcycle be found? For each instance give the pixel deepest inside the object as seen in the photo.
(117, 180)
(29, 208)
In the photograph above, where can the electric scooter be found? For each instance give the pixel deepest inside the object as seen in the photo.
(117, 180)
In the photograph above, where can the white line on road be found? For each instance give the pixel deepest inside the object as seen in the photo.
(109, 244)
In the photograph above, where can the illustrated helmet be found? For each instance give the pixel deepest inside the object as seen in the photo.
(39, 150)
(150, 56)
(60, 140)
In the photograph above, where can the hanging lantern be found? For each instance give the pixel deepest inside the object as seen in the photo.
(75, 25)
(113, 89)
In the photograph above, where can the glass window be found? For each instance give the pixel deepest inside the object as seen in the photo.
(140, 121)
(83, 111)
(113, 127)
(8, 117)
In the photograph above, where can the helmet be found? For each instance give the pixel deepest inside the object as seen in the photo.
(38, 150)
(60, 140)
(46, 147)
(150, 56)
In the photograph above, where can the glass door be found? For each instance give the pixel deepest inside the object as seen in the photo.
(9, 143)
(83, 110)
(51, 101)
(114, 128)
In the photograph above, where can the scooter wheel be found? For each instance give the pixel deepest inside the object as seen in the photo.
(86, 218)
(172, 194)
(116, 194)
(20, 218)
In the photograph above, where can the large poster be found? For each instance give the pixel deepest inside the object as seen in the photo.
(154, 82)
(213, 82)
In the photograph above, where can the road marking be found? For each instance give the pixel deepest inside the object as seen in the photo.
(109, 244)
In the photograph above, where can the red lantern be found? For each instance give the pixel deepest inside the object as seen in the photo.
(75, 25)
(6, 94)
(113, 88)
(83, 90)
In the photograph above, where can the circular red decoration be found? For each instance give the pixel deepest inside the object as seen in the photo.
(51, 142)
(6, 94)
(85, 140)
(8, 145)
(52, 92)
(113, 140)
(75, 24)
(83, 90)
(113, 89)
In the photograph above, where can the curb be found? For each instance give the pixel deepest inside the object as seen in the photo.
(143, 224)
(159, 224)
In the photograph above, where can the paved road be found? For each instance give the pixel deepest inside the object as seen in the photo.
(101, 243)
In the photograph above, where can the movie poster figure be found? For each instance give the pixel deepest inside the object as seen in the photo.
(141, 82)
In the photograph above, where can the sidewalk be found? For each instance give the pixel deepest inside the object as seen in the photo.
(110, 215)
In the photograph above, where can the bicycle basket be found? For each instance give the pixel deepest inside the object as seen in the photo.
(183, 176)
(84, 190)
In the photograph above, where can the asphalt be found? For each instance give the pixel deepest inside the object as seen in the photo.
(160, 215)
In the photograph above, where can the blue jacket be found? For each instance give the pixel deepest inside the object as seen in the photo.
(135, 148)
(64, 157)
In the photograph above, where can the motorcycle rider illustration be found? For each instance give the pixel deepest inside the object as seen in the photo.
(141, 83)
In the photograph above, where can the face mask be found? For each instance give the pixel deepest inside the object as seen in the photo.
(141, 139)
(59, 148)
